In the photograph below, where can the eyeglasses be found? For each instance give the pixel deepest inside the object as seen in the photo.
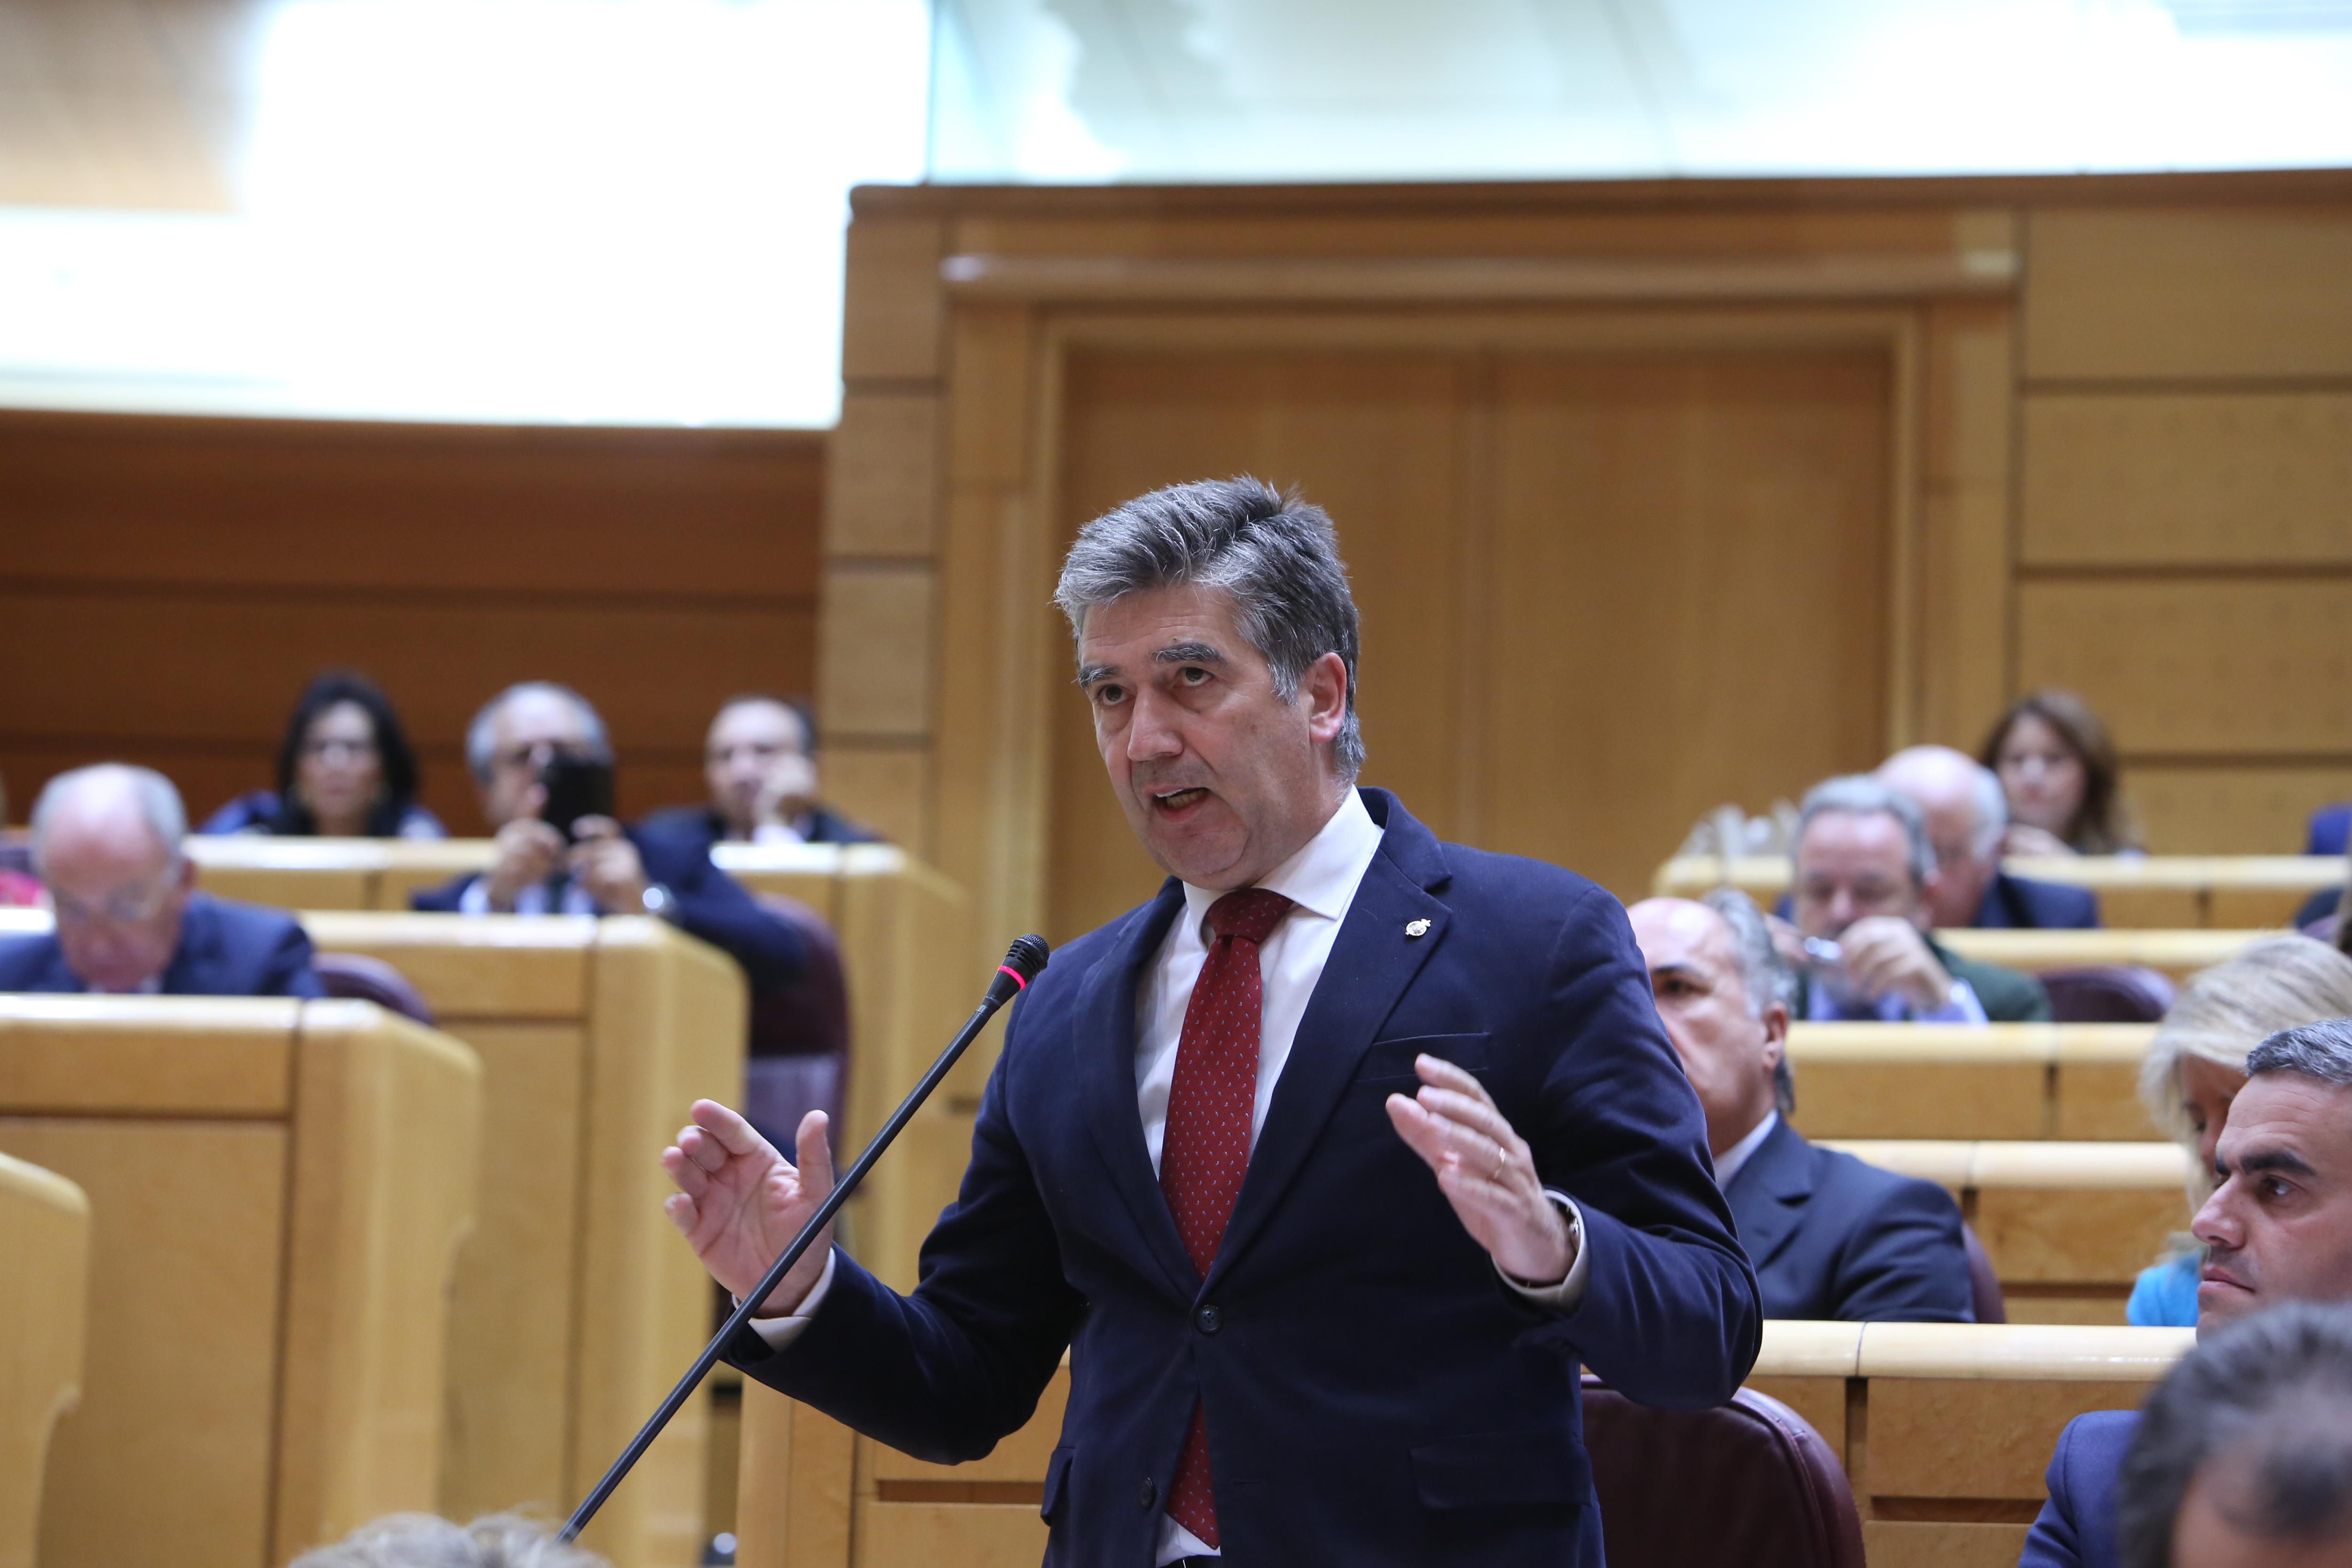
(339, 751)
(122, 908)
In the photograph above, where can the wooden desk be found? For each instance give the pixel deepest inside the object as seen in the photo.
(2068, 1225)
(1944, 1429)
(2077, 1082)
(277, 1192)
(44, 1291)
(2209, 891)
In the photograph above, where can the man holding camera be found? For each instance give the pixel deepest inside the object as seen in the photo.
(531, 735)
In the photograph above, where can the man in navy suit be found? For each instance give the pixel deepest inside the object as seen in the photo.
(106, 840)
(1966, 814)
(1829, 1236)
(609, 871)
(2278, 1227)
(1328, 1165)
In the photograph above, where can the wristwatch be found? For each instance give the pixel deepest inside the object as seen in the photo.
(660, 901)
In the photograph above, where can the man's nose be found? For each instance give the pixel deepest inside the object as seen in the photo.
(2217, 1225)
(1152, 734)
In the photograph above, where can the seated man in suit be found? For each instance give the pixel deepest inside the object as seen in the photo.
(2243, 1454)
(759, 760)
(1966, 814)
(1829, 1237)
(2277, 1228)
(1861, 868)
(106, 839)
(609, 871)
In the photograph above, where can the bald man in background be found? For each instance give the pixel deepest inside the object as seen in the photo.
(106, 840)
(1966, 812)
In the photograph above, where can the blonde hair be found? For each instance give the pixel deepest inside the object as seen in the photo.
(421, 1540)
(2226, 1011)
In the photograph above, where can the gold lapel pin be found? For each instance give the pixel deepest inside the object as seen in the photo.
(1417, 928)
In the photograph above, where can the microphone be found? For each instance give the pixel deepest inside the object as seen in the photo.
(1021, 965)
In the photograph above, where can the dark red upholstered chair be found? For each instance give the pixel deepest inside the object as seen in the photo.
(359, 978)
(2107, 994)
(1984, 1285)
(1747, 1485)
(800, 1035)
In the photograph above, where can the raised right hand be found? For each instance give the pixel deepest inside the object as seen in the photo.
(527, 850)
(741, 1203)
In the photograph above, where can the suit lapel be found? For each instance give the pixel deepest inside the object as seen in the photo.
(197, 934)
(1371, 964)
(1768, 1198)
(1104, 1041)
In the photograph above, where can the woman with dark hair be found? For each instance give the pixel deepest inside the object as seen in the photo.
(2058, 769)
(345, 771)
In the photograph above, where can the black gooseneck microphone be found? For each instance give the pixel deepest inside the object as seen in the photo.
(1021, 965)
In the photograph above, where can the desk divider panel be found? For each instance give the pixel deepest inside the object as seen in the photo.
(2002, 1081)
(2222, 892)
(44, 1291)
(272, 1237)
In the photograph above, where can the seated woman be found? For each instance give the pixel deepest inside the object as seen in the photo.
(345, 771)
(2057, 767)
(2196, 1065)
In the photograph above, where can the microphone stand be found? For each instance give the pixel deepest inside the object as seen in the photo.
(1012, 977)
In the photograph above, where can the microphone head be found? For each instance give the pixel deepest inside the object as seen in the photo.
(1028, 955)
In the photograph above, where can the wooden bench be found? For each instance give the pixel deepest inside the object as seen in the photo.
(1945, 1430)
(2185, 891)
(2068, 1225)
(277, 1193)
(44, 1291)
(2007, 1082)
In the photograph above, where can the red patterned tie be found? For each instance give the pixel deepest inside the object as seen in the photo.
(1205, 1151)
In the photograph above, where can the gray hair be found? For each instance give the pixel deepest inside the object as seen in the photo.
(1860, 795)
(481, 739)
(1276, 557)
(2322, 1050)
(2270, 1397)
(158, 801)
(1992, 812)
(1763, 974)
(421, 1540)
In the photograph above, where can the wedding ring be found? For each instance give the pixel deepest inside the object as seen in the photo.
(1502, 1158)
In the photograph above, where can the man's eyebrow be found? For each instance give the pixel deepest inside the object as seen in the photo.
(2284, 1161)
(1690, 970)
(1188, 653)
(1090, 673)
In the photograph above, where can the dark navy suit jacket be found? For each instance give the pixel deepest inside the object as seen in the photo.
(1833, 1238)
(2077, 1528)
(700, 826)
(1376, 1394)
(225, 949)
(2025, 903)
(2331, 827)
(710, 905)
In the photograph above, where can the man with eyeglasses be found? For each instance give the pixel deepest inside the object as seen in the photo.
(106, 841)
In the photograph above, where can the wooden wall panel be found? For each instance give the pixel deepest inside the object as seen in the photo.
(201, 570)
(2183, 292)
(2211, 669)
(2237, 479)
(2222, 808)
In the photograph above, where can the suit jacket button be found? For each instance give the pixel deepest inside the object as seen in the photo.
(1208, 1319)
(1147, 1496)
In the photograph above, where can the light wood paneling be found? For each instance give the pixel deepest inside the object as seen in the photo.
(2241, 668)
(2235, 478)
(1964, 546)
(876, 677)
(881, 472)
(204, 569)
(890, 325)
(44, 1300)
(231, 1060)
(2183, 292)
(2251, 808)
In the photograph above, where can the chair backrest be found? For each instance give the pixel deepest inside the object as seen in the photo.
(1749, 1484)
(810, 1016)
(2107, 994)
(357, 977)
(1984, 1284)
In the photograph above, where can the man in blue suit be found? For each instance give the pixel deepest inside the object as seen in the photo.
(2278, 1227)
(106, 841)
(1829, 1237)
(609, 871)
(1328, 1165)
(1966, 814)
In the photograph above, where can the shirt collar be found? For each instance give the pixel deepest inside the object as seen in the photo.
(1322, 876)
(1740, 1153)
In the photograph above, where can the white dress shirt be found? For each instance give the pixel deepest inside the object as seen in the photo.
(1740, 1153)
(531, 899)
(1321, 880)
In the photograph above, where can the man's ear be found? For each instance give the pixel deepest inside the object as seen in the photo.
(187, 878)
(1324, 690)
(1775, 1020)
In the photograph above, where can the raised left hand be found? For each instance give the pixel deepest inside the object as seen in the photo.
(606, 863)
(1485, 1172)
